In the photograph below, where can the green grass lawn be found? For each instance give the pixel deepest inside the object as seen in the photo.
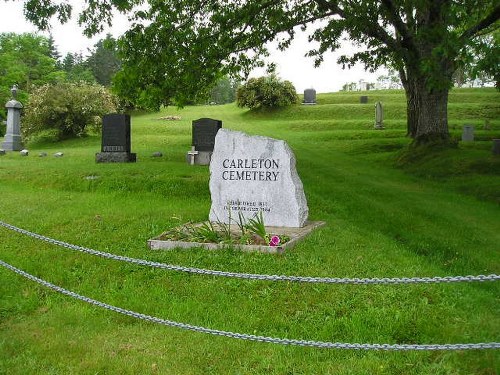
(436, 213)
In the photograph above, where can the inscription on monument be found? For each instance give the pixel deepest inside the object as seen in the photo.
(250, 169)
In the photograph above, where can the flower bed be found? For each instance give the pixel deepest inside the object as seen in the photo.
(214, 236)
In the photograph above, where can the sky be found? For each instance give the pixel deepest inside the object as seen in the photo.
(292, 65)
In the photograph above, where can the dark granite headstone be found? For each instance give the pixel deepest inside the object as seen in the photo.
(309, 96)
(115, 133)
(363, 99)
(115, 144)
(204, 132)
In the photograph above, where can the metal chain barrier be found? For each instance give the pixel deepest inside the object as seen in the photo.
(244, 336)
(253, 276)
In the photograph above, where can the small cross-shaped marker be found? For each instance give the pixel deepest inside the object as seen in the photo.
(192, 153)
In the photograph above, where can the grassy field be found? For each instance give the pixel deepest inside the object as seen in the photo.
(436, 213)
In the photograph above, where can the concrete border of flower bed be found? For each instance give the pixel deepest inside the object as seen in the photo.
(295, 234)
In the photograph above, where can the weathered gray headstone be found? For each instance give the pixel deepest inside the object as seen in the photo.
(249, 174)
(495, 150)
(309, 96)
(58, 155)
(204, 131)
(379, 116)
(468, 133)
(157, 154)
(115, 144)
(12, 139)
(42, 154)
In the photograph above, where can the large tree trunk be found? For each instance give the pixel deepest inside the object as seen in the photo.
(432, 116)
(427, 111)
(412, 105)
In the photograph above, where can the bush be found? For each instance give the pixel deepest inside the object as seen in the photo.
(266, 92)
(3, 126)
(69, 110)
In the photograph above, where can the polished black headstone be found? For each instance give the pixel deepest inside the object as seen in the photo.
(115, 133)
(204, 132)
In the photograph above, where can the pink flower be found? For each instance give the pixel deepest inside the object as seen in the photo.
(275, 240)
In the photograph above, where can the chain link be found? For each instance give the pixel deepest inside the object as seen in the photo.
(244, 336)
(253, 276)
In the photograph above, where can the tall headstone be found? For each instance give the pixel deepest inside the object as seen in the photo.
(468, 133)
(379, 116)
(204, 131)
(12, 140)
(309, 97)
(252, 174)
(115, 143)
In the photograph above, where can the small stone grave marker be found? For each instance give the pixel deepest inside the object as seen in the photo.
(379, 116)
(115, 145)
(468, 133)
(192, 154)
(309, 97)
(204, 131)
(24, 152)
(363, 99)
(252, 174)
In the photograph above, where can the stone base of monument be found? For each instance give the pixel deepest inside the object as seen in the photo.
(200, 158)
(115, 157)
(295, 235)
(303, 103)
(12, 143)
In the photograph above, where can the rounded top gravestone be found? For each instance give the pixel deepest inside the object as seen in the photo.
(309, 96)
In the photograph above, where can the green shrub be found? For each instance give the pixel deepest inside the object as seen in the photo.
(44, 137)
(71, 109)
(3, 127)
(266, 92)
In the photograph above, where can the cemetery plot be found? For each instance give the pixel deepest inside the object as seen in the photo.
(278, 239)
(258, 201)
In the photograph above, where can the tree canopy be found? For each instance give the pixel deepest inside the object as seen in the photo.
(177, 48)
(25, 60)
